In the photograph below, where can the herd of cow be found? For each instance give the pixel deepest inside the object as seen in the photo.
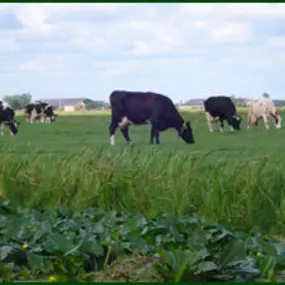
(39, 111)
(137, 108)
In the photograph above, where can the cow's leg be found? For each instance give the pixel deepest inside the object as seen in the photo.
(2, 129)
(157, 137)
(112, 129)
(248, 120)
(210, 120)
(154, 133)
(222, 126)
(125, 132)
(42, 118)
(266, 121)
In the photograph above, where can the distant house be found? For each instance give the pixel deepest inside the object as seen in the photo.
(192, 104)
(67, 104)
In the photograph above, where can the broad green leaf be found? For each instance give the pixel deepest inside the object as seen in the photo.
(233, 253)
(4, 252)
(35, 261)
(206, 266)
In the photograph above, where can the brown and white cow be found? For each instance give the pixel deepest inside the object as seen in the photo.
(262, 109)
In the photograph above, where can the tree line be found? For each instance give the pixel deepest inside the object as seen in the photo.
(20, 101)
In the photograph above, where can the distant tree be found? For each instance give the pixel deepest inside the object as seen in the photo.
(91, 104)
(265, 95)
(18, 101)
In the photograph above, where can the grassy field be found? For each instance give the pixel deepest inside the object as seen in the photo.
(233, 178)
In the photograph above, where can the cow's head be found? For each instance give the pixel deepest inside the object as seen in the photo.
(13, 127)
(186, 133)
(236, 121)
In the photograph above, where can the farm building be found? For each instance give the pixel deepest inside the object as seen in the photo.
(192, 104)
(67, 104)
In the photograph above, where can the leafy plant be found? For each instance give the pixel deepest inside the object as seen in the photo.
(71, 246)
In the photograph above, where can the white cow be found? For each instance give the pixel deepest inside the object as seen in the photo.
(262, 109)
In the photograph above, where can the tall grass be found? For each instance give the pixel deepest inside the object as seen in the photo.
(248, 192)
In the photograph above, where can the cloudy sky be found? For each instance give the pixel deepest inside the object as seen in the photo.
(181, 50)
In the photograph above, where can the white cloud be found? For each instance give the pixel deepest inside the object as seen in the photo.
(120, 68)
(254, 10)
(237, 10)
(118, 39)
(33, 18)
(30, 66)
(8, 44)
(43, 63)
(198, 10)
(276, 41)
(231, 33)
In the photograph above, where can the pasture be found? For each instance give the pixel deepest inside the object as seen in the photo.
(233, 178)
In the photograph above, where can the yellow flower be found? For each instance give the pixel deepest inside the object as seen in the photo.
(52, 278)
(25, 246)
(259, 254)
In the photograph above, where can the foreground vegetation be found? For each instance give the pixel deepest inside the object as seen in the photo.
(64, 245)
(235, 179)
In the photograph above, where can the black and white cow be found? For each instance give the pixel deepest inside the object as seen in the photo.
(40, 111)
(49, 115)
(137, 108)
(7, 117)
(223, 108)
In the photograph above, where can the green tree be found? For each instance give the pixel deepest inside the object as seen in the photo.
(265, 95)
(18, 101)
(90, 104)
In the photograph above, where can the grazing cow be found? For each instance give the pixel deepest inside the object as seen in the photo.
(262, 109)
(40, 111)
(223, 108)
(34, 112)
(49, 115)
(138, 108)
(7, 117)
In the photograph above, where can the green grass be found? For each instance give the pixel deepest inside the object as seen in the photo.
(234, 178)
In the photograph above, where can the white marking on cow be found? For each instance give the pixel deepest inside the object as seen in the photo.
(112, 140)
(210, 121)
(6, 105)
(125, 122)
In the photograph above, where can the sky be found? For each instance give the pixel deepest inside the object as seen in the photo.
(182, 50)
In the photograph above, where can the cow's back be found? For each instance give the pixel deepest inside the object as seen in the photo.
(261, 106)
(140, 106)
(219, 106)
